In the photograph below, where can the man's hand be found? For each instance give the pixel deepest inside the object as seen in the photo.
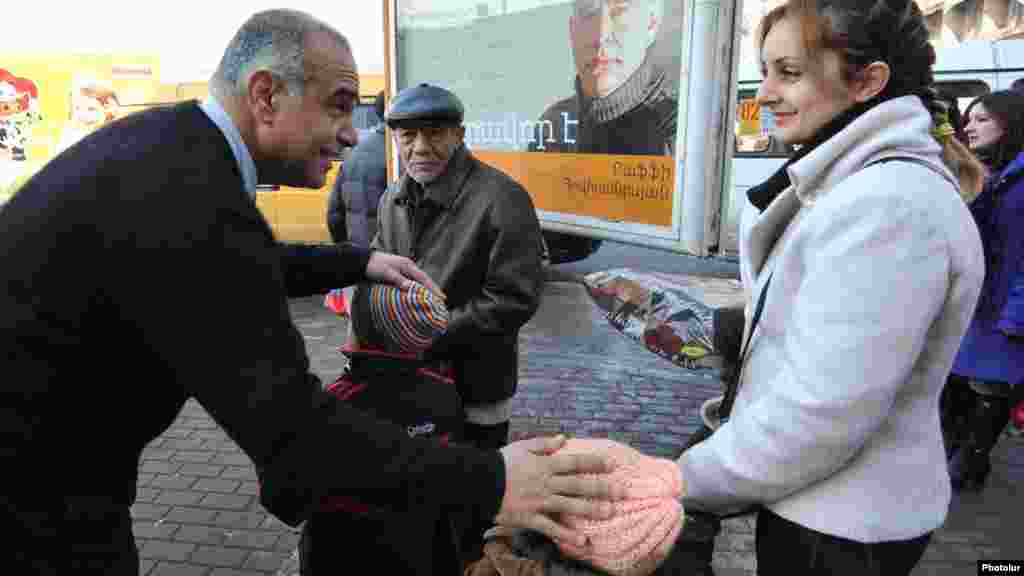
(398, 271)
(540, 484)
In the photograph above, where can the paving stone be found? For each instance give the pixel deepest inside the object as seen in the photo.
(166, 550)
(287, 542)
(201, 470)
(220, 556)
(154, 530)
(179, 569)
(217, 485)
(964, 552)
(145, 511)
(213, 434)
(240, 520)
(227, 501)
(201, 424)
(146, 494)
(249, 488)
(176, 481)
(159, 467)
(184, 456)
(239, 473)
(183, 444)
(176, 498)
(159, 454)
(194, 534)
(186, 516)
(230, 459)
(265, 561)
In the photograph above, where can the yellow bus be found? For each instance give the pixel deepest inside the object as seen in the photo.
(42, 96)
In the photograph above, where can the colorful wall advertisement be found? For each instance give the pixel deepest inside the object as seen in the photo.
(576, 99)
(50, 101)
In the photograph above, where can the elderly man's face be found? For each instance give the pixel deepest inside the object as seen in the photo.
(609, 41)
(426, 149)
(301, 134)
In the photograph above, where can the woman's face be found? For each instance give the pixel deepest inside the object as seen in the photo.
(803, 93)
(982, 129)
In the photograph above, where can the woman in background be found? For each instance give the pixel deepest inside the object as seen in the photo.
(989, 368)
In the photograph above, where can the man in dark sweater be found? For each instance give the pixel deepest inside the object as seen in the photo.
(139, 273)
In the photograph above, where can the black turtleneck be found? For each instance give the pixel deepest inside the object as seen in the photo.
(763, 194)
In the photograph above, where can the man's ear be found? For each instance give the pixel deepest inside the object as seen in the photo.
(871, 81)
(263, 95)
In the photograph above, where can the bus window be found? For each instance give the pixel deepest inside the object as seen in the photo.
(965, 91)
(364, 116)
(754, 130)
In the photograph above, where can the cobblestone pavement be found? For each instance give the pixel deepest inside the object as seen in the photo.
(198, 514)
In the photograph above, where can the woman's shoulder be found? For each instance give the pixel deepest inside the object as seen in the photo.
(1013, 174)
(899, 192)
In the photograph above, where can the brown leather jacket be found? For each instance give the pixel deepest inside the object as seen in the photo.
(475, 232)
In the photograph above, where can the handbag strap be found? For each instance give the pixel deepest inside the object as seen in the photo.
(731, 391)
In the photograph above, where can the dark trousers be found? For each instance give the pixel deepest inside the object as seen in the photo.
(785, 548)
(486, 437)
(340, 543)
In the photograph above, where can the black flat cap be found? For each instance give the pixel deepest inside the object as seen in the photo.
(424, 103)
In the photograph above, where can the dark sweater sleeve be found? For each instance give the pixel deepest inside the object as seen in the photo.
(208, 298)
(311, 270)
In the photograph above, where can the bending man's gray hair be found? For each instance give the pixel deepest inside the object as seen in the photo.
(273, 40)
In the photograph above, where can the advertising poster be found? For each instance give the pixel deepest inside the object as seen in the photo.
(578, 100)
(48, 102)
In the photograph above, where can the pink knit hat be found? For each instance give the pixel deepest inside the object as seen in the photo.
(644, 526)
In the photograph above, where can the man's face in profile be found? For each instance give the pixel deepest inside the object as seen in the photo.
(609, 41)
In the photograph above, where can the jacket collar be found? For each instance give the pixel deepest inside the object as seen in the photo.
(246, 165)
(366, 362)
(897, 127)
(762, 194)
(446, 188)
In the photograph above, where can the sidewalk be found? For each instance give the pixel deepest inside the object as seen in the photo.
(197, 511)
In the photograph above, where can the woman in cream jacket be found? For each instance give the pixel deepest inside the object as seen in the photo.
(875, 267)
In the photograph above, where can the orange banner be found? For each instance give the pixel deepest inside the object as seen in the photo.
(619, 188)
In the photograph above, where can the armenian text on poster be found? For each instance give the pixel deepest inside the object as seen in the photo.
(617, 188)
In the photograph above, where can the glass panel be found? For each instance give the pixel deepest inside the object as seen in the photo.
(755, 127)
(564, 78)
